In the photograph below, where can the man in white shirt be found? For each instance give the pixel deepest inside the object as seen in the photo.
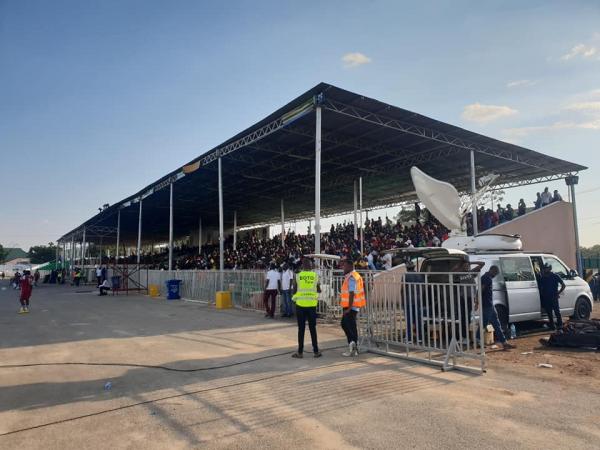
(99, 275)
(546, 197)
(387, 261)
(272, 285)
(105, 286)
(286, 293)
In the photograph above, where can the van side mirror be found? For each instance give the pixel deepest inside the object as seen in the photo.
(573, 273)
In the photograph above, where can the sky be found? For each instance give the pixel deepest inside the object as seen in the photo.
(100, 98)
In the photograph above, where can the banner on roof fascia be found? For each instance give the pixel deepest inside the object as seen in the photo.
(191, 167)
(125, 205)
(298, 112)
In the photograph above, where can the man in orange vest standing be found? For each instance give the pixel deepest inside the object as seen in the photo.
(352, 299)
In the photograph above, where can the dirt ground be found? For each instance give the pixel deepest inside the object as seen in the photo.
(235, 385)
(569, 365)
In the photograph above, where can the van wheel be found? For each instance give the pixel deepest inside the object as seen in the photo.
(502, 312)
(583, 309)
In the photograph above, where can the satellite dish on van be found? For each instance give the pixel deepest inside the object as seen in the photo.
(439, 197)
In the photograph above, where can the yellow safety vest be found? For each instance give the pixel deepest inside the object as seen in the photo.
(306, 295)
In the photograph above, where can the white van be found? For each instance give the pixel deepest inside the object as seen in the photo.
(516, 292)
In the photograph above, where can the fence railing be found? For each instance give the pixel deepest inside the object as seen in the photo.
(427, 317)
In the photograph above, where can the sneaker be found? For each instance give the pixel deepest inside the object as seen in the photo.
(298, 355)
(22, 310)
(27, 309)
(352, 351)
(317, 354)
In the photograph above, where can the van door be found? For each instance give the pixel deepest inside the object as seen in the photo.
(521, 288)
(567, 300)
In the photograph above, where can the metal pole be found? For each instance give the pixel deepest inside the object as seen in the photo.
(83, 250)
(170, 227)
(355, 213)
(139, 243)
(57, 254)
(221, 240)
(234, 230)
(118, 236)
(72, 252)
(318, 182)
(282, 226)
(577, 248)
(360, 210)
(473, 191)
(200, 236)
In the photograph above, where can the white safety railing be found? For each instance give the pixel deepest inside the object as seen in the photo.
(428, 317)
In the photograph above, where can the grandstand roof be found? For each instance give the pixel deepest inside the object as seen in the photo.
(274, 159)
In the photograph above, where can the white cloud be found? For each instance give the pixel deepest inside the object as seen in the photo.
(582, 50)
(355, 59)
(520, 132)
(476, 112)
(592, 106)
(521, 83)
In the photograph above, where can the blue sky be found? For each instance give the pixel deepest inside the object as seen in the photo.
(99, 98)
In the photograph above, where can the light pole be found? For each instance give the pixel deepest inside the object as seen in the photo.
(572, 181)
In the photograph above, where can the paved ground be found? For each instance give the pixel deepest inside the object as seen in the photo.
(273, 402)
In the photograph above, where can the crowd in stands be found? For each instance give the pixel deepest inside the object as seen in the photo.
(487, 218)
(254, 252)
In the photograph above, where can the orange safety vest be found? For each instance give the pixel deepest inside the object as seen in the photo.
(359, 293)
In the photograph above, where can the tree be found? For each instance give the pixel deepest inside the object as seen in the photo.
(2, 254)
(491, 198)
(590, 252)
(39, 254)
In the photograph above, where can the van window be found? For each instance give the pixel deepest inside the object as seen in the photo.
(517, 269)
(557, 267)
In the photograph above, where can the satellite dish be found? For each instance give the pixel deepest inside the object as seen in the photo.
(440, 198)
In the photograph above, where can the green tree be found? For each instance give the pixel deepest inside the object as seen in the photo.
(590, 252)
(2, 254)
(39, 254)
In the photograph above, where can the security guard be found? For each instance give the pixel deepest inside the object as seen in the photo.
(306, 297)
(352, 299)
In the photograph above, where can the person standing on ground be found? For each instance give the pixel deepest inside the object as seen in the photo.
(550, 292)
(98, 276)
(26, 284)
(489, 314)
(306, 296)
(36, 277)
(272, 286)
(352, 298)
(286, 290)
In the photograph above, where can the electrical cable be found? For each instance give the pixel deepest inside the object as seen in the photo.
(151, 366)
(169, 397)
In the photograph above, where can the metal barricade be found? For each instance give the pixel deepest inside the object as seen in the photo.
(426, 317)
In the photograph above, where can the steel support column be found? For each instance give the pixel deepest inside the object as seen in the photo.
(72, 253)
(318, 181)
(355, 213)
(118, 236)
(221, 232)
(234, 230)
(282, 226)
(360, 210)
(473, 191)
(170, 226)
(83, 250)
(139, 240)
(571, 182)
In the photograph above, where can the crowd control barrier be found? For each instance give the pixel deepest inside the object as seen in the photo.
(426, 317)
